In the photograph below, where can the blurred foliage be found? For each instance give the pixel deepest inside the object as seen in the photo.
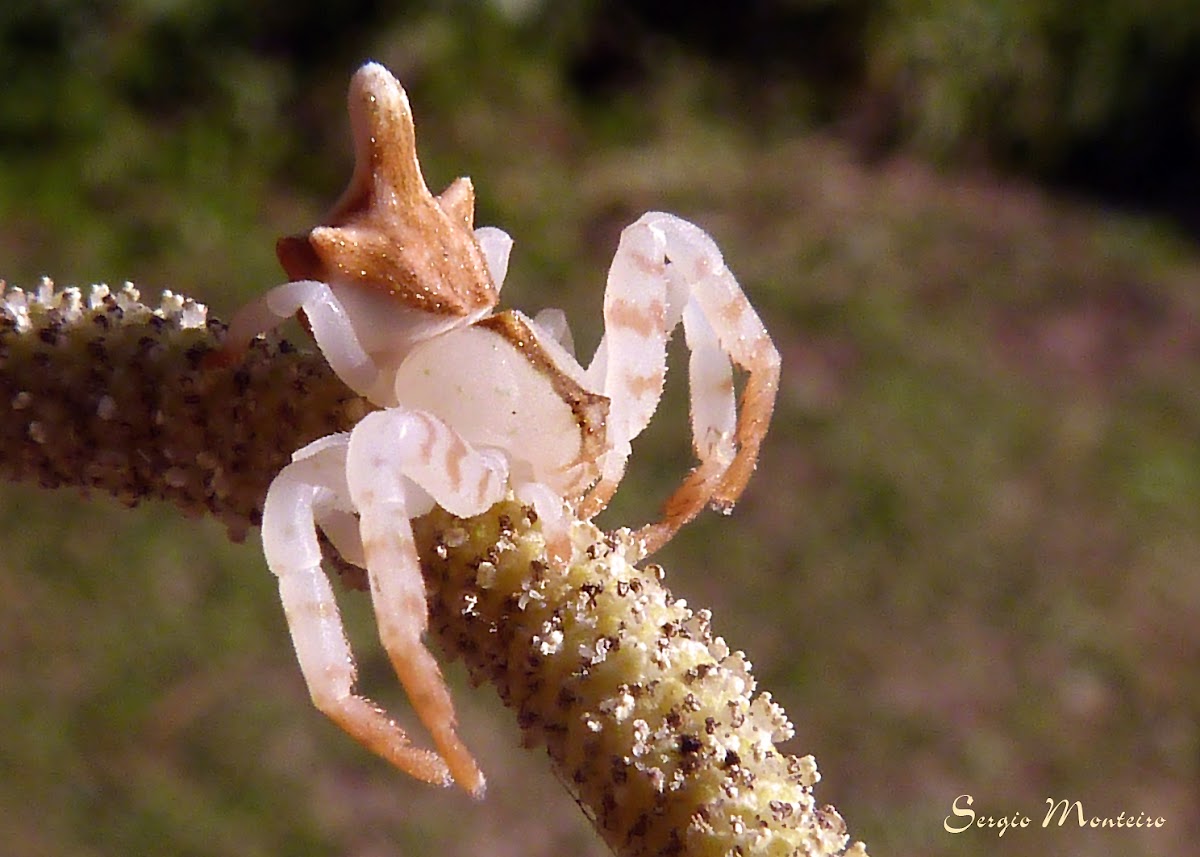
(1103, 97)
(968, 562)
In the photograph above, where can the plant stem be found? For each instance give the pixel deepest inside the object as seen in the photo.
(650, 720)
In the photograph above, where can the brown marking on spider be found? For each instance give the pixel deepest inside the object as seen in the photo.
(644, 385)
(646, 320)
(387, 232)
(456, 454)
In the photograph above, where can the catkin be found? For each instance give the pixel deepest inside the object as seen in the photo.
(103, 392)
(651, 720)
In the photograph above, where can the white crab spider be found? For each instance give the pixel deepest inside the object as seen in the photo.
(399, 291)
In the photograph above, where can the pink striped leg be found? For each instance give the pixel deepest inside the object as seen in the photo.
(666, 270)
(630, 364)
(303, 491)
(721, 327)
(398, 460)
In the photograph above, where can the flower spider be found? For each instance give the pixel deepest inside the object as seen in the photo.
(399, 291)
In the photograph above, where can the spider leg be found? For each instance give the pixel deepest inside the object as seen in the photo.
(553, 514)
(391, 452)
(326, 317)
(630, 363)
(554, 322)
(721, 328)
(496, 246)
(296, 499)
(667, 270)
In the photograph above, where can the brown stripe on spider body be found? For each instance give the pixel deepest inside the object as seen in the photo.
(589, 408)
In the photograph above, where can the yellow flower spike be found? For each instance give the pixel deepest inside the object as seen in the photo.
(101, 391)
(651, 721)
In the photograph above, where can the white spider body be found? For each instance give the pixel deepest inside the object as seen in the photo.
(505, 383)
(398, 292)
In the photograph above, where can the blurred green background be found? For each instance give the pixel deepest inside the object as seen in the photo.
(970, 560)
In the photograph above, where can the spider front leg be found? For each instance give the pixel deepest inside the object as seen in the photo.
(667, 270)
(299, 497)
(328, 320)
(399, 462)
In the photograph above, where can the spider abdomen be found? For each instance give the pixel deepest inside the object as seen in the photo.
(505, 383)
